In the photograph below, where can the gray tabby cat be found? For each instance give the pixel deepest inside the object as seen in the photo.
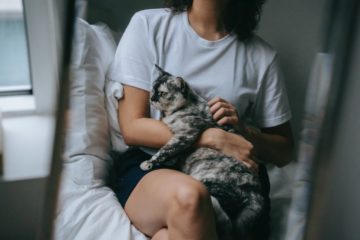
(235, 191)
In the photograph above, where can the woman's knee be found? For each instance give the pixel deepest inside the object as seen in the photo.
(162, 234)
(191, 196)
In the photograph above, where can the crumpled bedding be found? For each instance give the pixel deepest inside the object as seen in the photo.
(87, 208)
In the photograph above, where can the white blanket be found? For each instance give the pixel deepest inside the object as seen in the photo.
(90, 211)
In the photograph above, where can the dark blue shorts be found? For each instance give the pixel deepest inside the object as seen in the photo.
(127, 173)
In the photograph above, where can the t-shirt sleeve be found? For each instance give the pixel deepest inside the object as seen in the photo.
(133, 61)
(271, 106)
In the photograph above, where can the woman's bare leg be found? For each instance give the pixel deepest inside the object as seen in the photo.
(169, 199)
(162, 234)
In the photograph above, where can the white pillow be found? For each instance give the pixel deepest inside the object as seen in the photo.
(87, 209)
(114, 91)
(87, 134)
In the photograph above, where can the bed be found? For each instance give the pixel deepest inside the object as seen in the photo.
(87, 208)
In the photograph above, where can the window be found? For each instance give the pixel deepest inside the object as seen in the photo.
(14, 60)
(30, 53)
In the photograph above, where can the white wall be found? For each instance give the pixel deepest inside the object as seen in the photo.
(335, 208)
(294, 29)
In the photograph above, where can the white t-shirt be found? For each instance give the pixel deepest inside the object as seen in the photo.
(245, 74)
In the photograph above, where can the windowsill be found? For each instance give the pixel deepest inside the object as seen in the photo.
(27, 146)
(17, 105)
(27, 139)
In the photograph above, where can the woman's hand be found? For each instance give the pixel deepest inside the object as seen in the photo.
(275, 144)
(225, 114)
(230, 144)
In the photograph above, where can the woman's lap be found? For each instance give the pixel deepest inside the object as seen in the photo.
(152, 197)
(127, 172)
(144, 195)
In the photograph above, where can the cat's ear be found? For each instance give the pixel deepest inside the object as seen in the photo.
(160, 70)
(182, 85)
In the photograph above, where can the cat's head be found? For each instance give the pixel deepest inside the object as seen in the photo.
(169, 93)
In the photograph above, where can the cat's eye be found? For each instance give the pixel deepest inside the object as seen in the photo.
(162, 94)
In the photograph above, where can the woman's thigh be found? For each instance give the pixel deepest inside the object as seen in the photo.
(148, 204)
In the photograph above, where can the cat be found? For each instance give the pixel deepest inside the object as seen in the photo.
(235, 190)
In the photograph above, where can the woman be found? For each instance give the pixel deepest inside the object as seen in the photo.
(211, 44)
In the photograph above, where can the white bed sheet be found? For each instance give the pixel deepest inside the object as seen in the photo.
(281, 186)
(90, 210)
(87, 209)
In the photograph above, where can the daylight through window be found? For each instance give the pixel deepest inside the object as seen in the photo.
(14, 61)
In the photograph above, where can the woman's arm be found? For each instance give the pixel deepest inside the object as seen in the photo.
(274, 145)
(139, 129)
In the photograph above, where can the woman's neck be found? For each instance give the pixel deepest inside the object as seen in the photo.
(206, 18)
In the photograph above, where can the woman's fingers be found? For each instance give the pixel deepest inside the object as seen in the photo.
(226, 114)
(215, 100)
(235, 146)
(227, 121)
(218, 105)
(251, 164)
(223, 112)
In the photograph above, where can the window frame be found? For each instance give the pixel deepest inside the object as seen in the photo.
(43, 33)
(44, 45)
(17, 12)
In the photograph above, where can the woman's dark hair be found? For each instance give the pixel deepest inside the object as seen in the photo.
(241, 16)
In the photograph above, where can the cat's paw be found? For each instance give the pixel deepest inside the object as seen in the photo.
(146, 165)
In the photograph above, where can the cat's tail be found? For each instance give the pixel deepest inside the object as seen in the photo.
(223, 222)
(249, 217)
